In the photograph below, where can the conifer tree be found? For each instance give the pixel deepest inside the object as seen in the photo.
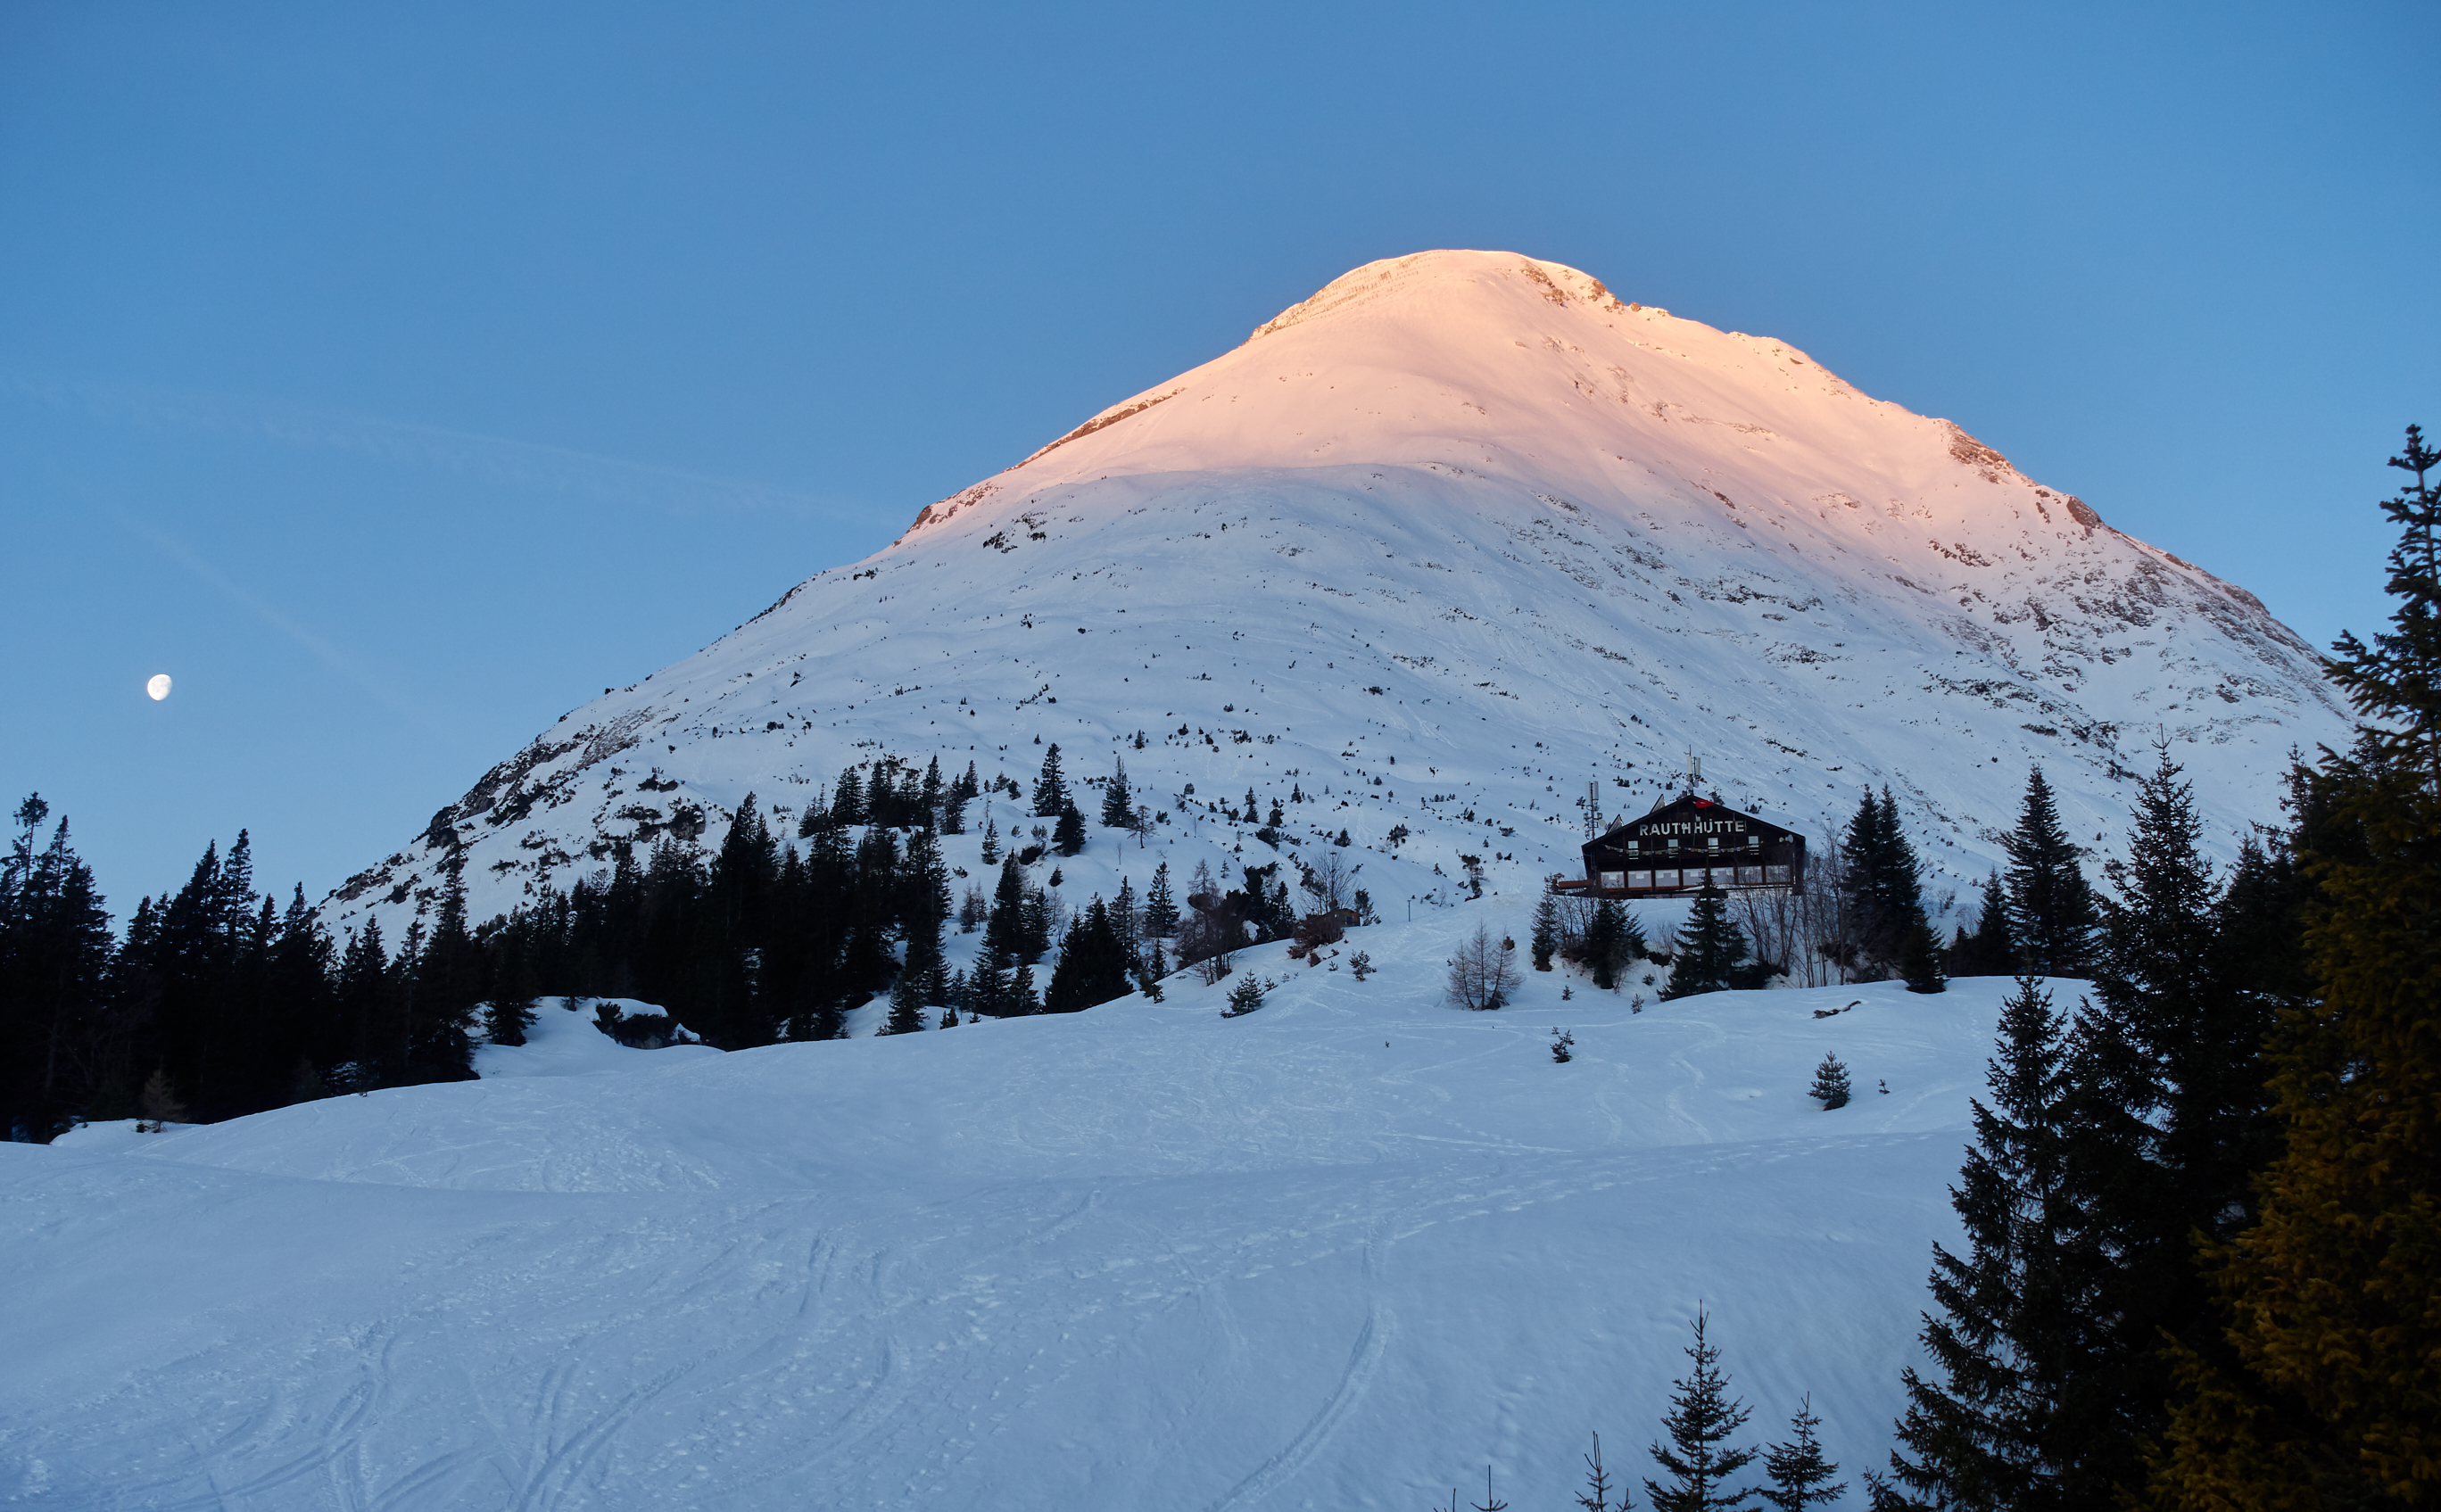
(929, 797)
(991, 841)
(1033, 925)
(1051, 789)
(1702, 1419)
(1160, 909)
(1126, 922)
(1989, 949)
(2152, 1057)
(1068, 836)
(1605, 943)
(1711, 949)
(1118, 804)
(906, 1005)
(1020, 1000)
(848, 799)
(55, 961)
(1831, 1086)
(1920, 965)
(1094, 965)
(2051, 910)
(447, 982)
(1546, 938)
(2333, 1297)
(1005, 933)
(2007, 1421)
(1800, 1477)
(1882, 889)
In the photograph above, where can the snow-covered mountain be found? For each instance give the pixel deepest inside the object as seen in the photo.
(1453, 537)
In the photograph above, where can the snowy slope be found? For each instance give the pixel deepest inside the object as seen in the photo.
(1523, 510)
(1337, 1254)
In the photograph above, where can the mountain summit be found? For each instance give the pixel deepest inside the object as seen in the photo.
(1434, 549)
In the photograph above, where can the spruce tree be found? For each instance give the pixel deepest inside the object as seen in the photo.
(1989, 950)
(848, 799)
(1068, 836)
(1605, 936)
(1702, 1419)
(1546, 938)
(2333, 1297)
(1883, 891)
(55, 968)
(2051, 910)
(1050, 788)
(1160, 909)
(2006, 1420)
(906, 1005)
(1094, 965)
(2152, 1059)
(929, 797)
(1118, 804)
(1831, 1085)
(1005, 933)
(1800, 1477)
(1920, 964)
(1711, 949)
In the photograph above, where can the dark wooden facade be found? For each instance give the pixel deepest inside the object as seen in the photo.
(1681, 844)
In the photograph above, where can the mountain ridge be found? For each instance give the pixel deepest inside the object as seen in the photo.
(1517, 506)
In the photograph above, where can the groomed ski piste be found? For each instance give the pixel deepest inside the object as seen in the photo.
(1343, 1252)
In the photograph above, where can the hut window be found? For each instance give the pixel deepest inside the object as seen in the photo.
(1639, 879)
(1614, 879)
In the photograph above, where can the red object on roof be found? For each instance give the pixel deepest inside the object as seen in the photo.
(1702, 802)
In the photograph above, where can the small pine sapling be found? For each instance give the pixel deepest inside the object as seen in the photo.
(1563, 1046)
(1595, 1496)
(1830, 1086)
(1360, 965)
(1798, 1471)
(1702, 1417)
(1243, 998)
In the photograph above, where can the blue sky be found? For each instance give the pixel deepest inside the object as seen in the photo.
(398, 377)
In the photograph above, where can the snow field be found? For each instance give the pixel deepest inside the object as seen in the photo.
(1339, 1252)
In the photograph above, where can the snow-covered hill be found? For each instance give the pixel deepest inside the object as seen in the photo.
(1458, 534)
(1339, 1252)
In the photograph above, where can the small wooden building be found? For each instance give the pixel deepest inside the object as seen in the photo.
(1677, 847)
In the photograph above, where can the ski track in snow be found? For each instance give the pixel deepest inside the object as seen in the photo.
(1141, 1257)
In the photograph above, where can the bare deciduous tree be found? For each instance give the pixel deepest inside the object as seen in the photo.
(1482, 974)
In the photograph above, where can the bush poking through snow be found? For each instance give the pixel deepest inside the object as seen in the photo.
(1830, 1086)
(1563, 1046)
(1244, 999)
(1362, 964)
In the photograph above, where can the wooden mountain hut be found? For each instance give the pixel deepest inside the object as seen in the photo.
(1679, 846)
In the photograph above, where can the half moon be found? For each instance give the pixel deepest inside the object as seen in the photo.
(159, 687)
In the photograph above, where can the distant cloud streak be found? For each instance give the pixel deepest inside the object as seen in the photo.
(487, 459)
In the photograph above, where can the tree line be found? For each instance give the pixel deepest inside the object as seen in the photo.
(218, 1002)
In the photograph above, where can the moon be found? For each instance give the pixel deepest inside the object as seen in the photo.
(159, 687)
